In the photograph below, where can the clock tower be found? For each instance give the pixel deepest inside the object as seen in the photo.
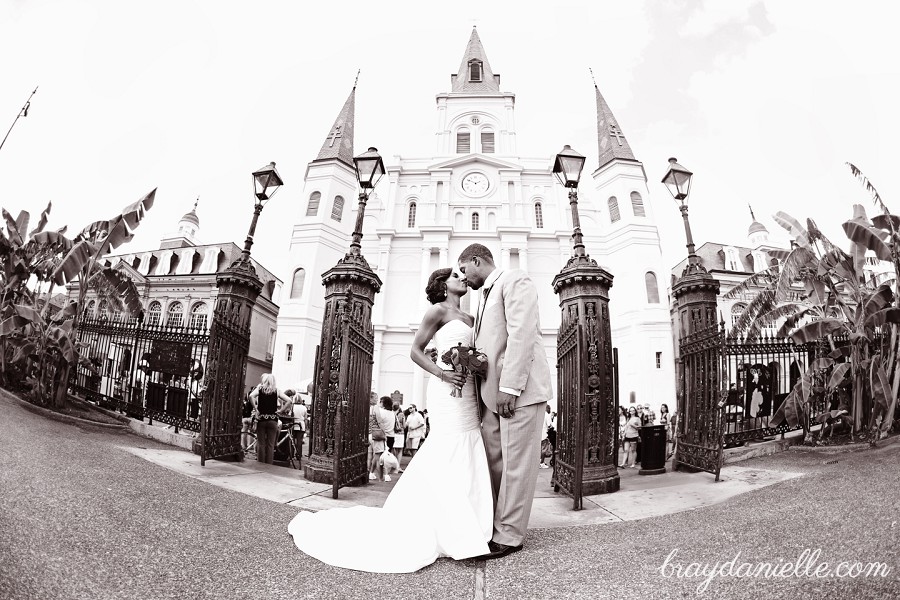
(475, 187)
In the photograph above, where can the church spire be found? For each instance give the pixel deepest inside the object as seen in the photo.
(475, 73)
(610, 138)
(339, 142)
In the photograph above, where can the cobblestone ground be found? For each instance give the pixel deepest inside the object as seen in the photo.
(82, 518)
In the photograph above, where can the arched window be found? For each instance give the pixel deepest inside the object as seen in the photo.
(312, 209)
(411, 218)
(297, 284)
(103, 312)
(90, 308)
(337, 211)
(652, 287)
(175, 317)
(538, 215)
(475, 220)
(487, 142)
(475, 70)
(463, 141)
(613, 209)
(637, 205)
(154, 313)
(199, 316)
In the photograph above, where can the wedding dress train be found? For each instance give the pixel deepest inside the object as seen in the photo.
(441, 505)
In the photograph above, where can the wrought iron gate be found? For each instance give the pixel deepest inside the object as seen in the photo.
(587, 384)
(701, 422)
(339, 440)
(569, 461)
(220, 421)
(147, 371)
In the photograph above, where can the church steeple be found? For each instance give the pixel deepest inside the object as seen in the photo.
(475, 73)
(610, 138)
(339, 142)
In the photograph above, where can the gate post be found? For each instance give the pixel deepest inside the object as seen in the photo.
(586, 452)
(229, 339)
(700, 363)
(343, 369)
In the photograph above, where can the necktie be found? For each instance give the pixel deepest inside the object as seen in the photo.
(484, 298)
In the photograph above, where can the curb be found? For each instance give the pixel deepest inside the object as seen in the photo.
(63, 418)
(170, 438)
(846, 448)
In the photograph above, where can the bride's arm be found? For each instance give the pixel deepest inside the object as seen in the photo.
(431, 322)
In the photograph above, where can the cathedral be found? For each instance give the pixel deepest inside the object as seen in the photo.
(477, 188)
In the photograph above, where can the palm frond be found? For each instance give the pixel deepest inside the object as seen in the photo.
(762, 303)
(793, 227)
(876, 197)
(762, 279)
(791, 269)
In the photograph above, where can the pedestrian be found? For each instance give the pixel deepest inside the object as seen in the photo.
(247, 421)
(399, 436)
(546, 449)
(665, 417)
(632, 427)
(551, 435)
(415, 430)
(299, 431)
(267, 401)
(381, 421)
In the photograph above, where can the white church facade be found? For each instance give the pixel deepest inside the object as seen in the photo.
(477, 188)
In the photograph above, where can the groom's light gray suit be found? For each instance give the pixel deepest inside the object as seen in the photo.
(508, 330)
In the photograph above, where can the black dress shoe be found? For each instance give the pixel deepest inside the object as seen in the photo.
(498, 550)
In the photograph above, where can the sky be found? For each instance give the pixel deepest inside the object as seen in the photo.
(765, 101)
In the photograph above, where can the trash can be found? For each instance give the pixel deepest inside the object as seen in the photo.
(653, 452)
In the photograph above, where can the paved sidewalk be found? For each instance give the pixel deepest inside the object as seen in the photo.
(639, 496)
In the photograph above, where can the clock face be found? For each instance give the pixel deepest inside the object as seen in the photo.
(475, 183)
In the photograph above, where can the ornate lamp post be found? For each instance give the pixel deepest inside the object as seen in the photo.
(343, 368)
(700, 347)
(588, 424)
(229, 338)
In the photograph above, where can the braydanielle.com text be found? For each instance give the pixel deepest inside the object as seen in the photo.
(807, 564)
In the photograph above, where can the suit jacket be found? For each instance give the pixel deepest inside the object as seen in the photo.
(510, 335)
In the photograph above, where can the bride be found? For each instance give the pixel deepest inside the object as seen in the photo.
(445, 490)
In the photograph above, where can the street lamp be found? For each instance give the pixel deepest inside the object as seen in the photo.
(369, 170)
(567, 169)
(266, 182)
(678, 182)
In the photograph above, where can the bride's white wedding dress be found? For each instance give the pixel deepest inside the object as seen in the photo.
(442, 502)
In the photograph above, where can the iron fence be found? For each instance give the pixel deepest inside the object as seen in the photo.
(146, 371)
(760, 374)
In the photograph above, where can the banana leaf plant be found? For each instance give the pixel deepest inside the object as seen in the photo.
(26, 261)
(46, 343)
(81, 263)
(819, 291)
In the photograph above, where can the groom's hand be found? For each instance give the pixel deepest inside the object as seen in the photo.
(506, 404)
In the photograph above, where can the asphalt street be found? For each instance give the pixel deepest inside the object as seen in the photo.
(80, 517)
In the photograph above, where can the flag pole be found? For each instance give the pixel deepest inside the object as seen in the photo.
(22, 113)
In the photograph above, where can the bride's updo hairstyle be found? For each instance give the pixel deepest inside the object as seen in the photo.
(436, 290)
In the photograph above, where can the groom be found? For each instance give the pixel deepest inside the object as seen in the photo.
(514, 391)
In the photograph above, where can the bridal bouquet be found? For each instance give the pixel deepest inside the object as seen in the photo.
(465, 360)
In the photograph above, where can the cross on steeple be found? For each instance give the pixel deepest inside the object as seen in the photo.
(616, 132)
(335, 133)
